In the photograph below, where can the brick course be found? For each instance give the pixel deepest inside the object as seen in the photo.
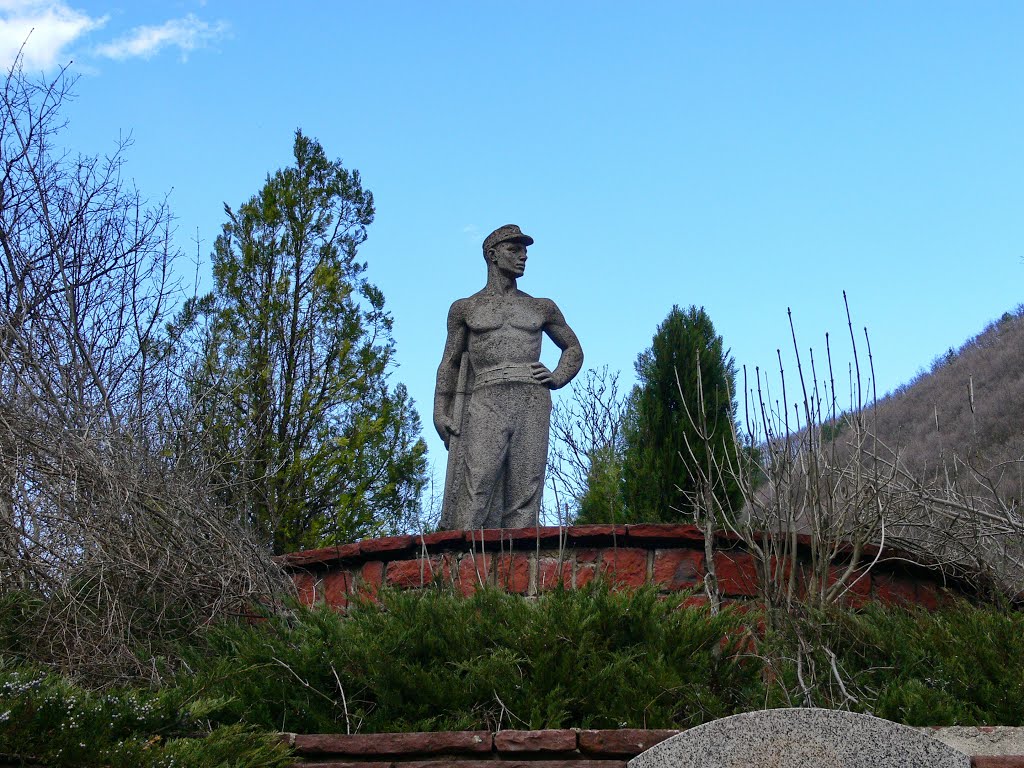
(529, 561)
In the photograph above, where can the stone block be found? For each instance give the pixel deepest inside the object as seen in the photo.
(389, 545)
(513, 572)
(514, 538)
(305, 586)
(585, 573)
(859, 583)
(337, 586)
(322, 555)
(696, 601)
(737, 574)
(551, 572)
(391, 744)
(597, 535)
(893, 589)
(676, 569)
(371, 576)
(474, 571)
(622, 742)
(409, 574)
(535, 741)
(440, 540)
(649, 534)
(625, 567)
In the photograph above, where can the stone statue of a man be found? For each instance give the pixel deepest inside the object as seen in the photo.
(492, 403)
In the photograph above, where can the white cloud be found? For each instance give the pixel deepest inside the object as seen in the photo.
(186, 34)
(45, 27)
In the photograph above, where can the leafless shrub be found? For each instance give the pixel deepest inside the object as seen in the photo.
(827, 474)
(104, 520)
(826, 481)
(586, 427)
(123, 554)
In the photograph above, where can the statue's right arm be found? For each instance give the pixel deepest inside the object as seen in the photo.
(448, 371)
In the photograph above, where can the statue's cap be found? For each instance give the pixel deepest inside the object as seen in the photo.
(510, 233)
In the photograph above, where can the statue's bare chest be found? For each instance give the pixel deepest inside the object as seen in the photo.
(517, 314)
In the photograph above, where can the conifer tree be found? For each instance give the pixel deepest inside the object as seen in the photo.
(685, 380)
(315, 446)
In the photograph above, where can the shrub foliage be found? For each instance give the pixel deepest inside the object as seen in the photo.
(593, 658)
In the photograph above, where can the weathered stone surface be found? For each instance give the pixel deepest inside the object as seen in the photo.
(513, 572)
(513, 538)
(801, 738)
(678, 568)
(585, 573)
(390, 545)
(474, 572)
(661, 533)
(737, 574)
(989, 740)
(440, 539)
(597, 535)
(406, 574)
(387, 744)
(492, 401)
(625, 567)
(535, 741)
(552, 572)
(858, 585)
(322, 555)
(626, 741)
(371, 577)
(337, 586)
(893, 589)
(305, 585)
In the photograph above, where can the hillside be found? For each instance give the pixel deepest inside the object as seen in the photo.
(963, 421)
(936, 467)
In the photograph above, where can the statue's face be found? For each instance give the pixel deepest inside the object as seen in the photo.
(510, 258)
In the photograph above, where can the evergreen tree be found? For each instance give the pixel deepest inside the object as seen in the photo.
(314, 445)
(602, 502)
(685, 382)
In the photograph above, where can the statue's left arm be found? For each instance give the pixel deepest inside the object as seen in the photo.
(571, 359)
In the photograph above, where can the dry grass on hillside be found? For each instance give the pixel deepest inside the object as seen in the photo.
(936, 468)
(962, 424)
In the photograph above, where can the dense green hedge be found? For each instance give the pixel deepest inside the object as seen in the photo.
(592, 658)
(436, 661)
(44, 718)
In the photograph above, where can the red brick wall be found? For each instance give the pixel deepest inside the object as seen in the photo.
(529, 561)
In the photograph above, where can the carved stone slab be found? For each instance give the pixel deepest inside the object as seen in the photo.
(801, 738)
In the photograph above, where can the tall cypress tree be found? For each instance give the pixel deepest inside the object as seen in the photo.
(659, 475)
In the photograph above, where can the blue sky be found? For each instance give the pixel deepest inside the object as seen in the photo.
(743, 156)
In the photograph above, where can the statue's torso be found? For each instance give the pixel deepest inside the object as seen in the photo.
(504, 329)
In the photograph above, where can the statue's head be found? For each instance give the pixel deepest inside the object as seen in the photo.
(505, 249)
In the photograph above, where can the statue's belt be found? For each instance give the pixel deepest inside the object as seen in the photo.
(503, 374)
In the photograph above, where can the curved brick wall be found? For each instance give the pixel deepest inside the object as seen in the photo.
(529, 561)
